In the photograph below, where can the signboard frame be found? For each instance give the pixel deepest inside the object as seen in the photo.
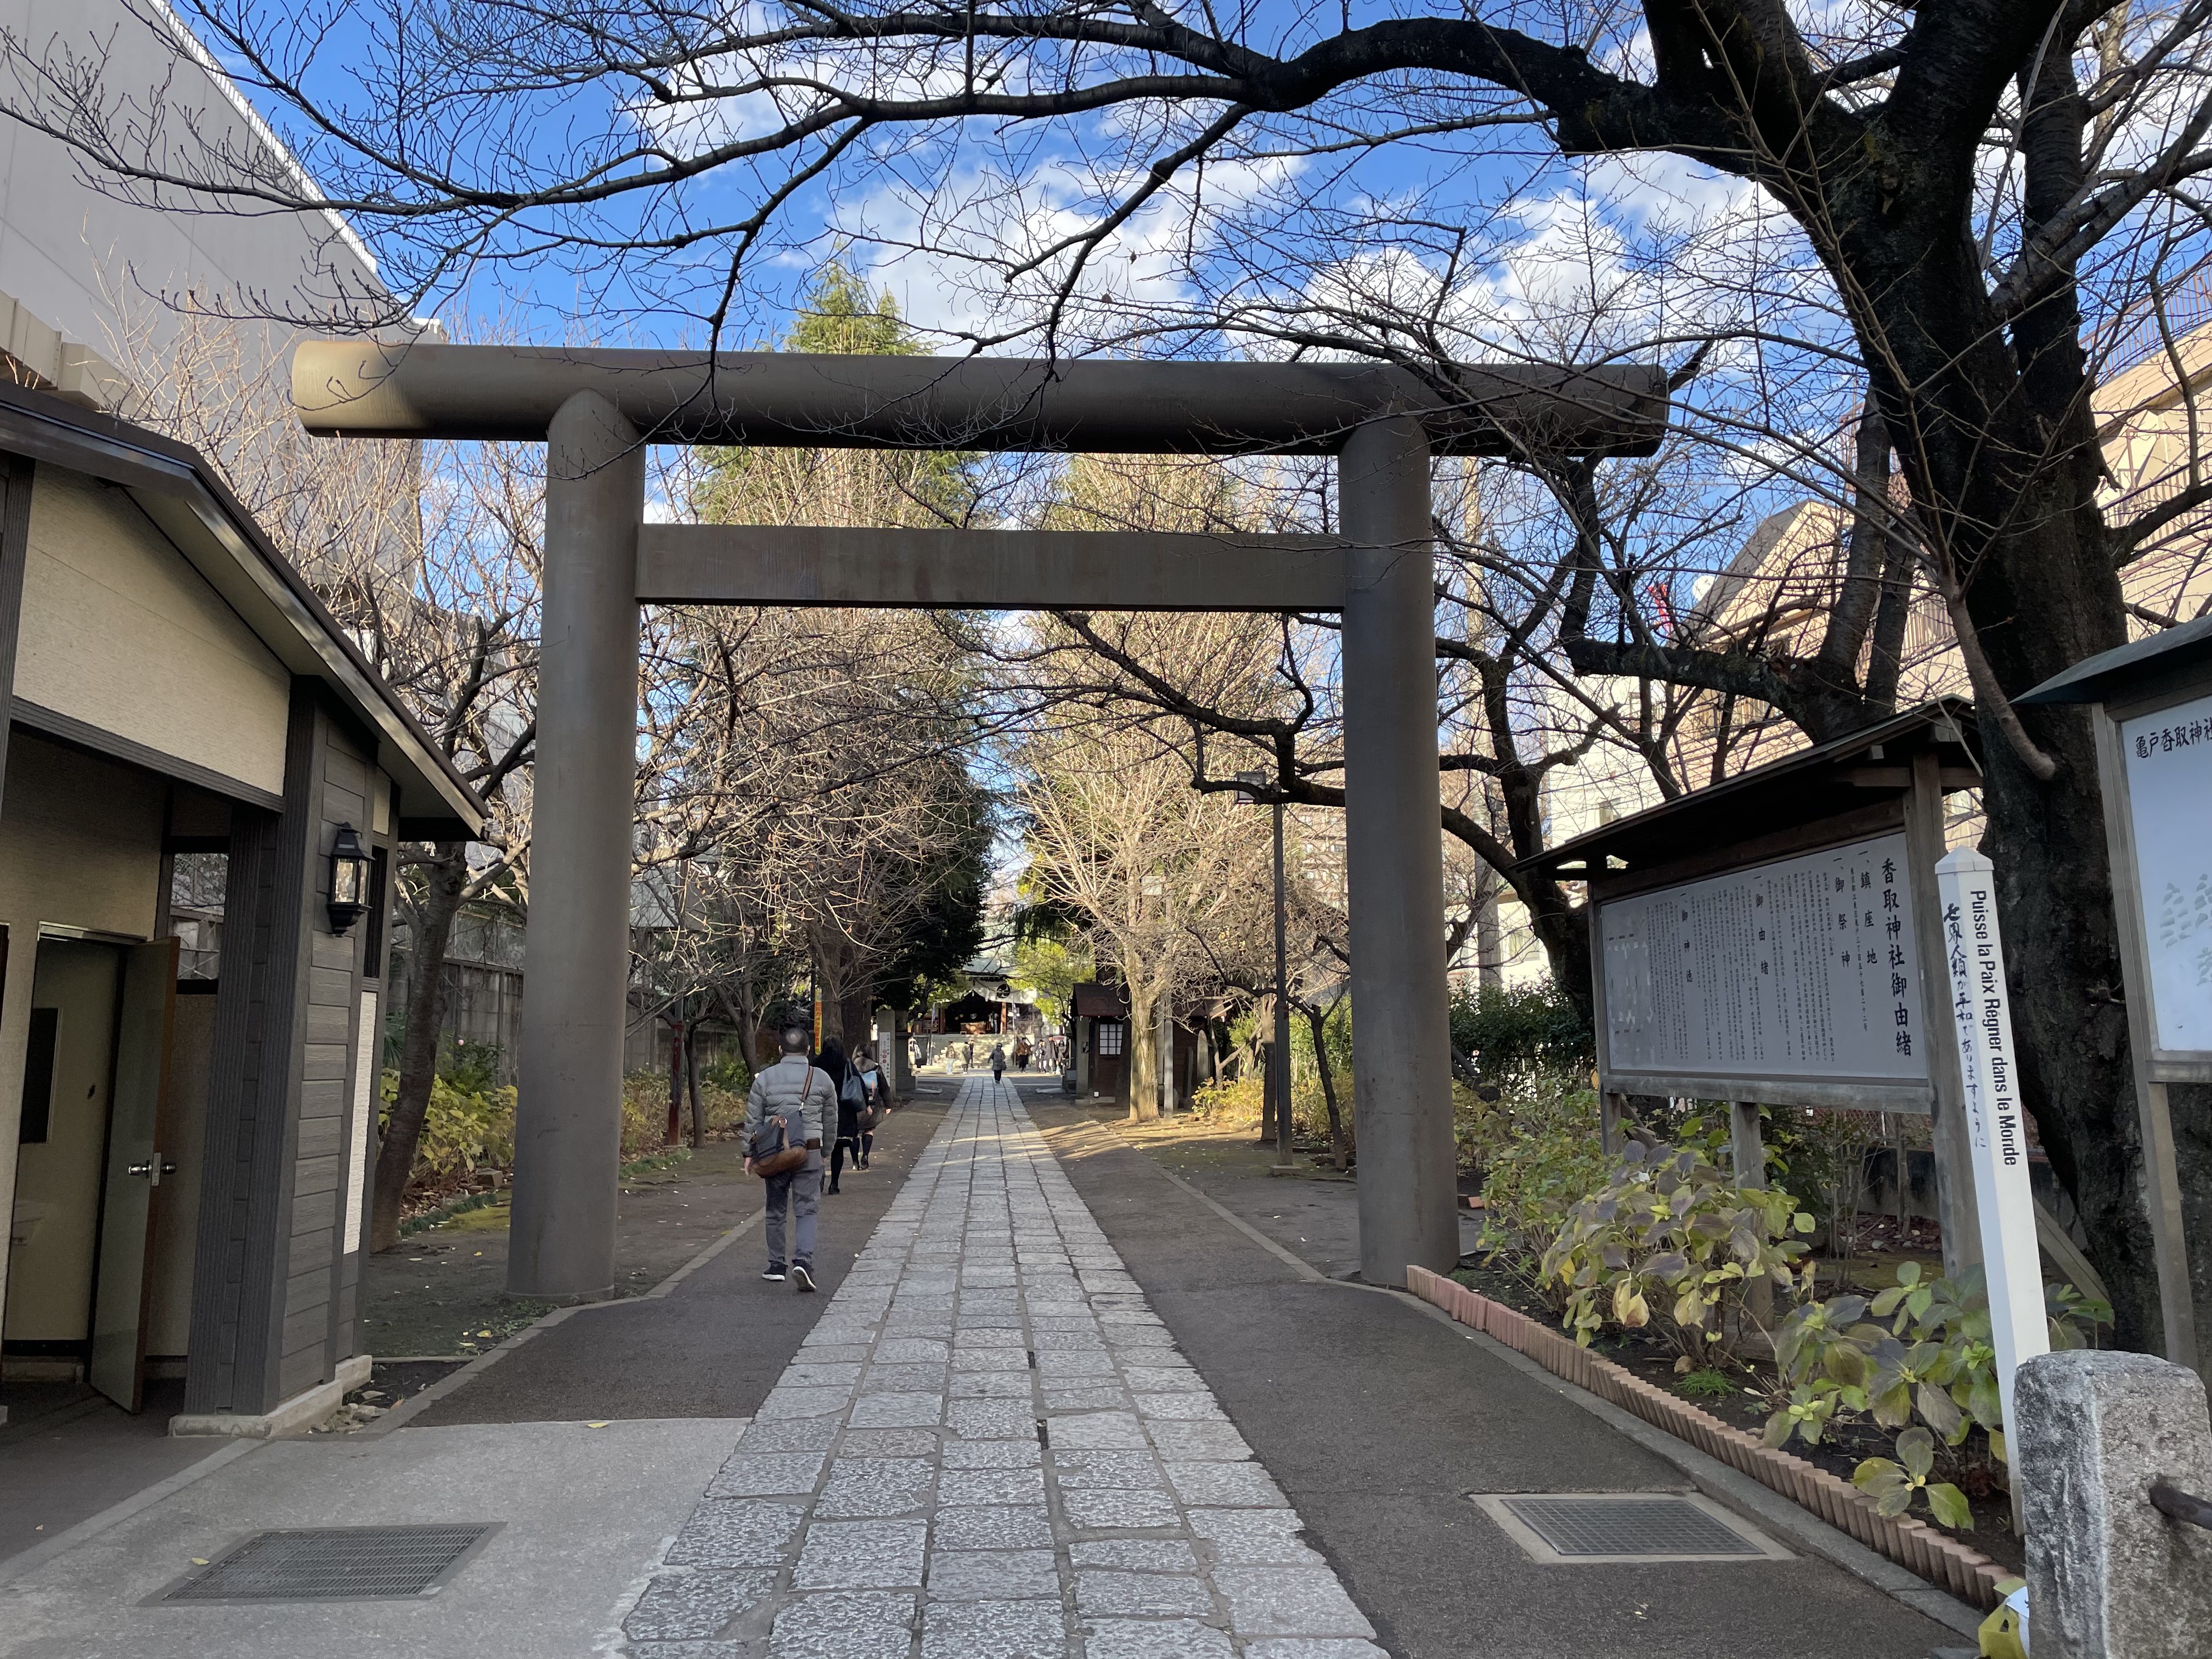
(1887, 778)
(1842, 1089)
(2154, 1067)
(2160, 1064)
(2125, 683)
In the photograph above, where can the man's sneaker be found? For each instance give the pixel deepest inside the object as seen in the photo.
(774, 1275)
(800, 1277)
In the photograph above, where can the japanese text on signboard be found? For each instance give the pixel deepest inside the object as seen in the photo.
(1802, 967)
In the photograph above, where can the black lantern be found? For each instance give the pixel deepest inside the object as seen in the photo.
(349, 880)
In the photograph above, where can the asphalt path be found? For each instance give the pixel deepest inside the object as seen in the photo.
(1377, 1419)
(712, 1348)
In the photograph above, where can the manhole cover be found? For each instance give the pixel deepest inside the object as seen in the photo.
(1601, 1527)
(335, 1564)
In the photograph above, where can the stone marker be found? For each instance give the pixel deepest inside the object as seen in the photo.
(2108, 1575)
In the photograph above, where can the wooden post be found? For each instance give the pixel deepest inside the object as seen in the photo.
(1749, 1151)
(1954, 1182)
(1609, 1120)
(1745, 1143)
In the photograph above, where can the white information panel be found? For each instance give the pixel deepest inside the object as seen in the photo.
(2169, 763)
(1804, 967)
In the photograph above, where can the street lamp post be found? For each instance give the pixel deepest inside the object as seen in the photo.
(1153, 887)
(1278, 1079)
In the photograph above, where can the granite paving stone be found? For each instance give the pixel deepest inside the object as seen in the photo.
(1099, 1512)
(1100, 1432)
(875, 1486)
(993, 1526)
(993, 1575)
(1135, 1595)
(1288, 1601)
(993, 1455)
(735, 1532)
(992, 1630)
(1243, 1486)
(991, 1486)
(1135, 1554)
(767, 1474)
(1150, 1639)
(680, 1605)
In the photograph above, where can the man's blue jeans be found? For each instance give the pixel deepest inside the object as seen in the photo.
(803, 1187)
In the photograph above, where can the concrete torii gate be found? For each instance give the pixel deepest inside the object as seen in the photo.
(597, 409)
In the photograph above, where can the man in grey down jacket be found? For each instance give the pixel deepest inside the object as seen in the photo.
(793, 1091)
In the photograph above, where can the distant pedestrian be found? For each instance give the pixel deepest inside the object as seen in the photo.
(1022, 1053)
(851, 1099)
(875, 1088)
(998, 1063)
(785, 1106)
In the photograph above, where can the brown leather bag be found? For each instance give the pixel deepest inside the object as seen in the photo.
(773, 1152)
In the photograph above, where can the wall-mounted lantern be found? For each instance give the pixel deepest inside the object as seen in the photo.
(349, 880)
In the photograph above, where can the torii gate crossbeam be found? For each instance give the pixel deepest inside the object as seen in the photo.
(598, 410)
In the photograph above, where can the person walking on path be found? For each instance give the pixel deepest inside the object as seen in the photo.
(876, 1089)
(845, 1085)
(998, 1062)
(792, 1095)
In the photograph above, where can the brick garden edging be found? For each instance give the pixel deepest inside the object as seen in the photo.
(1965, 1572)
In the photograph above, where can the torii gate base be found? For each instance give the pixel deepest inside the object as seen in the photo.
(591, 405)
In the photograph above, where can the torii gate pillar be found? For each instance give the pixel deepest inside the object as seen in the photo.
(1394, 857)
(568, 1145)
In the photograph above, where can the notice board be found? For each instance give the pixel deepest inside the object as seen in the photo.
(2168, 757)
(1804, 966)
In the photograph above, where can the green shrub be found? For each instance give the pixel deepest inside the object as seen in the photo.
(1531, 1028)
(1921, 1366)
(464, 1130)
(1231, 1100)
(471, 1068)
(1541, 1157)
(1671, 1242)
(730, 1074)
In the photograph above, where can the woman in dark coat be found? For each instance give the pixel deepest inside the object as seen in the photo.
(832, 1062)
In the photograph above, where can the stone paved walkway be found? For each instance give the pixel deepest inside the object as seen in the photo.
(988, 1448)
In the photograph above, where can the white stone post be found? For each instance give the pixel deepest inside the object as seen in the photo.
(2109, 1576)
(1996, 1124)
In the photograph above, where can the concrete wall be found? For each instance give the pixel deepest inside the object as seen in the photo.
(68, 251)
(119, 631)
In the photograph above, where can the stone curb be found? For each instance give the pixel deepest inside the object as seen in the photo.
(1964, 1571)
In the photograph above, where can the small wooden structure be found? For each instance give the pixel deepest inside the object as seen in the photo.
(1099, 1041)
(2151, 703)
(1772, 940)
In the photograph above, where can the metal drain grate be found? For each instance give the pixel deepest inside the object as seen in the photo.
(335, 1564)
(1602, 1526)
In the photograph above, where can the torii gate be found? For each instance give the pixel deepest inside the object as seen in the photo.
(596, 410)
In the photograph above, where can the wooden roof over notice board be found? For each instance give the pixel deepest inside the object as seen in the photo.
(1826, 781)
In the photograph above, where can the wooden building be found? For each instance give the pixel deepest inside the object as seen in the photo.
(185, 1142)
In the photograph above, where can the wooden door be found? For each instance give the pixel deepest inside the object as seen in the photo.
(137, 1158)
